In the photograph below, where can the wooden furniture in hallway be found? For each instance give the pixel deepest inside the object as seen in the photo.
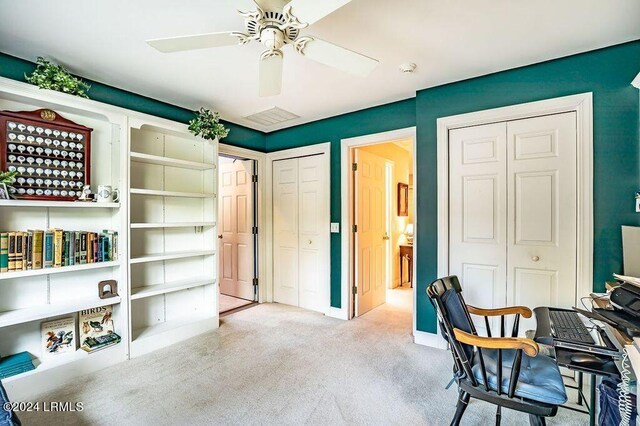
(406, 252)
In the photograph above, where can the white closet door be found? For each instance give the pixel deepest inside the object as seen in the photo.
(313, 236)
(235, 218)
(542, 212)
(477, 213)
(285, 231)
(370, 211)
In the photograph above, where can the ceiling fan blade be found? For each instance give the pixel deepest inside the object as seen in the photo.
(270, 75)
(310, 11)
(338, 57)
(192, 42)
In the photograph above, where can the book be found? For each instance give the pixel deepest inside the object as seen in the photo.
(58, 337)
(38, 238)
(76, 245)
(66, 248)
(15, 364)
(12, 251)
(95, 323)
(57, 248)
(28, 251)
(72, 248)
(83, 247)
(48, 250)
(94, 344)
(19, 250)
(4, 252)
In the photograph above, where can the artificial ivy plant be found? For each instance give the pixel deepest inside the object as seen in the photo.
(207, 124)
(54, 77)
(8, 178)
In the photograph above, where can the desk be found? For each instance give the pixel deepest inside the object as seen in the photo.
(406, 251)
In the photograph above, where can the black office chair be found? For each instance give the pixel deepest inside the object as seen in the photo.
(531, 384)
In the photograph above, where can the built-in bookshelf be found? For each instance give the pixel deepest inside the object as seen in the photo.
(30, 297)
(172, 252)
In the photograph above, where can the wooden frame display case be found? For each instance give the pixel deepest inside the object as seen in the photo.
(51, 154)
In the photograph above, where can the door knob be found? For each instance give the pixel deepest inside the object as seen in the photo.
(309, 241)
(535, 258)
(385, 236)
(220, 236)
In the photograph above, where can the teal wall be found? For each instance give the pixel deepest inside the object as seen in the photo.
(15, 68)
(397, 115)
(608, 74)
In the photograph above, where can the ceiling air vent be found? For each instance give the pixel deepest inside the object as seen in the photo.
(272, 116)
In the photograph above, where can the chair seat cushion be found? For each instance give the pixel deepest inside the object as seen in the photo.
(539, 380)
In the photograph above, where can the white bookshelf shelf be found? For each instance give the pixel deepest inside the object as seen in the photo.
(140, 191)
(170, 255)
(61, 270)
(170, 225)
(58, 204)
(65, 359)
(169, 287)
(21, 316)
(163, 327)
(140, 157)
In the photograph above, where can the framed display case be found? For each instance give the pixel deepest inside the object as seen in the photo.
(51, 154)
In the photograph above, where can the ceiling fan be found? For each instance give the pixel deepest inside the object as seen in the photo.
(276, 23)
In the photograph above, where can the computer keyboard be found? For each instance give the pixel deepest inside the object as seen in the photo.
(566, 325)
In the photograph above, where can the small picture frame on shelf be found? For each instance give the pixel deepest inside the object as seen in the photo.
(4, 192)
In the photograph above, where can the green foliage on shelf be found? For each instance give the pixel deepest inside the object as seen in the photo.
(207, 124)
(54, 77)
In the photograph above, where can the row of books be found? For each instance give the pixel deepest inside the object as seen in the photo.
(37, 249)
(15, 364)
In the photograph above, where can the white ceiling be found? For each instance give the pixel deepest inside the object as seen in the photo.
(448, 40)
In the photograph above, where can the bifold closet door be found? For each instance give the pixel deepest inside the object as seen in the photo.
(235, 223)
(285, 231)
(300, 232)
(513, 214)
(542, 221)
(478, 213)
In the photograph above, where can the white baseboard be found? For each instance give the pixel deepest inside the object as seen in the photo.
(337, 313)
(429, 339)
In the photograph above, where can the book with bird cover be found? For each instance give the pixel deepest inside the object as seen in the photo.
(95, 323)
(58, 337)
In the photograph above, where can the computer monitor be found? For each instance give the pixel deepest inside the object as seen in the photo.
(631, 250)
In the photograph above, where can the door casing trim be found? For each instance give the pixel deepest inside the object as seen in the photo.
(347, 263)
(582, 105)
(316, 149)
(260, 158)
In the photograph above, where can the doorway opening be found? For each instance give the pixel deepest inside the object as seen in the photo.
(237, 233)
(382, 215)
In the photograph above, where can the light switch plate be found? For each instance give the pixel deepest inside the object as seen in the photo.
(335, 227)
(638, 202)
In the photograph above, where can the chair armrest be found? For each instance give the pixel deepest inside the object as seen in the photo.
(509, 310)
(527, 345)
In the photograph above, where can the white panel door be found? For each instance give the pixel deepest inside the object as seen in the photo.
(235, 222)
(313, 233)
(477, 213)
(542, 210)
(285, 232)
(370, 245)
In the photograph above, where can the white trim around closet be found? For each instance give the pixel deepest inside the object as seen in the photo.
(582, 105)
(316, 149)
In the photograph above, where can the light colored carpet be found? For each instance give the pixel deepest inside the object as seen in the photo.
(228, 303)
(276, 364)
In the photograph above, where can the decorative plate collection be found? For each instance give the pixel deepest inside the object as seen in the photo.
(50, 153)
